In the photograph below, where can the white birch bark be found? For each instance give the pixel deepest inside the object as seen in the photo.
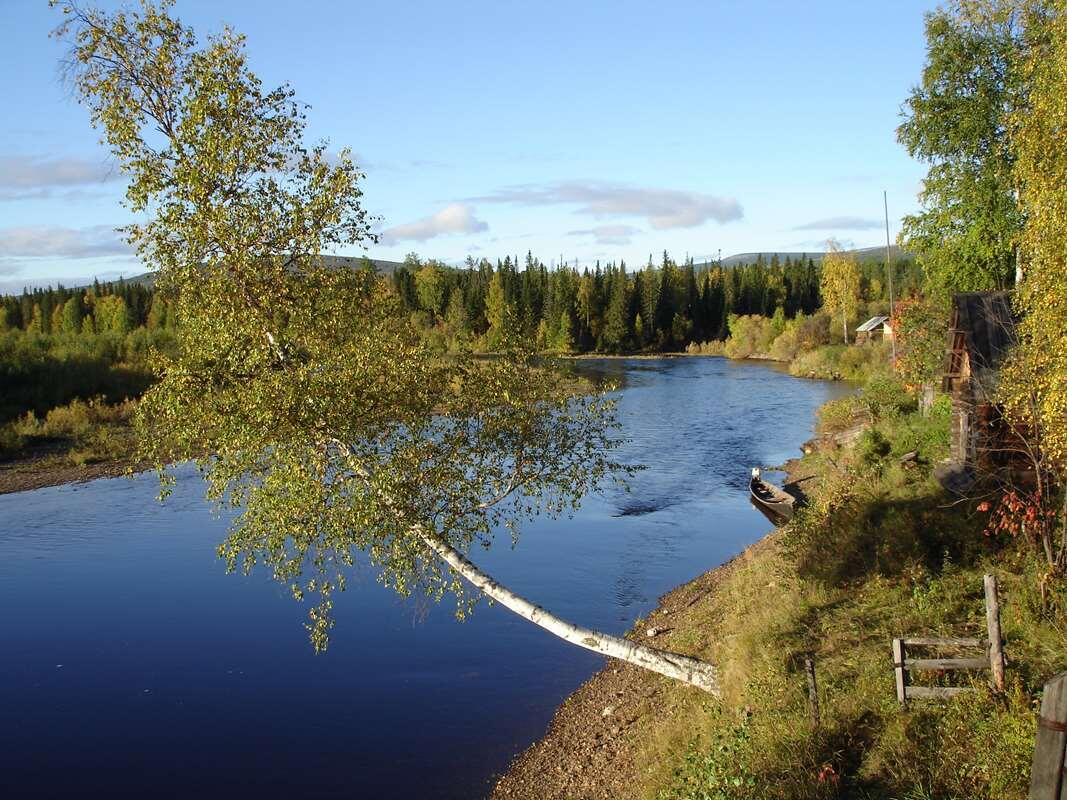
(673, 665)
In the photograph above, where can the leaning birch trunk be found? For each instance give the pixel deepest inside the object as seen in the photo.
(683, 668)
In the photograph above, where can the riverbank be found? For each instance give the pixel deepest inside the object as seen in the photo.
(596, 746)
(880, 551)
(77, 442)
(39, 470)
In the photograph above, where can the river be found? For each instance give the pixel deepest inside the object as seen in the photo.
(131, 665)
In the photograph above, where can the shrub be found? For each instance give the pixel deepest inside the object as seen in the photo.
(872, 446)
(72, 420)
(884, 397)
(27, 425)
(750, 335)
(813, 331)
(10, 441)
(709, 348)
(837, 415)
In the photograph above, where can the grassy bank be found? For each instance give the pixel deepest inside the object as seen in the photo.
(77, 441)
(880, 552)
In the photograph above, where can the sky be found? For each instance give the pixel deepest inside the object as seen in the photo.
(577, 131)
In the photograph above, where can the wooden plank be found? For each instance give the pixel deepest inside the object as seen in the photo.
(1046, 775)
(813, 691)
(921, 692)
(996, 642)
(946, 663)
(898, 668)
(941, 641)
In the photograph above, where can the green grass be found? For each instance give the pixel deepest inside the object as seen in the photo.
(879, 553)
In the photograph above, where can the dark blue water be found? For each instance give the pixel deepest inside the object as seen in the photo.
(131, 665)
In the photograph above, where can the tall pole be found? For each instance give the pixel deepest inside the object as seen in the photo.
(889, 271)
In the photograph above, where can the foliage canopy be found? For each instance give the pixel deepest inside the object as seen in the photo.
(332, 428)
(958, 121)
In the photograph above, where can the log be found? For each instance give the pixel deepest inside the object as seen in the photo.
(936, 692)
(813, 691)
(1047, 781)
(672, 665)
(942, 641)
(898, 669)
(996, 643)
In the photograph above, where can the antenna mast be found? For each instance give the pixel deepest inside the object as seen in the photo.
(889, 271)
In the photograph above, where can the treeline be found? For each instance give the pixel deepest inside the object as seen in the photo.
(61, 344)
(117, 307)
(610, 309)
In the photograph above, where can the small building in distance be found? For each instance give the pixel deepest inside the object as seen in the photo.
(873, 329)
(981, 332)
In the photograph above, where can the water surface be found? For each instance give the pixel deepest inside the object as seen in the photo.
(131, 665)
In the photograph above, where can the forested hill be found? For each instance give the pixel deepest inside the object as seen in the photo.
(352, 262)
(863, 255)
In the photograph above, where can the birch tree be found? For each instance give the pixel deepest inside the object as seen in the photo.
(333, 432)
(840, 285)
(958, 120)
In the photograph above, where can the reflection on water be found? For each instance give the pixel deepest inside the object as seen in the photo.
(133, 666)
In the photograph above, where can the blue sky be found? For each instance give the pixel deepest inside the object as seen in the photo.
(589, 130)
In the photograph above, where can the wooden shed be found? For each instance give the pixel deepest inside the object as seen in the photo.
(873, 329)
(981, 332)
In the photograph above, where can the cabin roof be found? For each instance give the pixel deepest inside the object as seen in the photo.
(871, 324)
(987, 323)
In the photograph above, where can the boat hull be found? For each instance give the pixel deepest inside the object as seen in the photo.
(770, 497)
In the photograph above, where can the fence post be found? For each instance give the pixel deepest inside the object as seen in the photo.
(996, 643)
(813, 692)
(1047, 779)
(898, 669)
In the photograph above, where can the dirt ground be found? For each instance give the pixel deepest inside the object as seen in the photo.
(587, 754)
(41, 469)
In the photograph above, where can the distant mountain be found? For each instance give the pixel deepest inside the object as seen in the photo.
(864, 255)
(337, 262)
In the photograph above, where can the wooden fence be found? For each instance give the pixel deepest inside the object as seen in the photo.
(1048, 776)
(992, 657)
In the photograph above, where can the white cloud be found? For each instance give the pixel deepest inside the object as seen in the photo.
(454, 218)
(609, 234)
(35, 176)
(661, 208)
(840, 224)
(49, 241)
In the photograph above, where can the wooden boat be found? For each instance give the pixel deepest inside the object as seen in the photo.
(770, 497)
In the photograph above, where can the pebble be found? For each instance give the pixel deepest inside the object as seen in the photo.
(608, 711)
(651, 632)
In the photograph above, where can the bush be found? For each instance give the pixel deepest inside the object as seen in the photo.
(884, 397)
(750, 335)
(857, 363)
(822, 363)
(872, 447)
(837, 415)
(71, 421)
(10, 441)
(710, 348)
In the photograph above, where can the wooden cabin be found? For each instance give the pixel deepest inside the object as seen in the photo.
(981, 332)
(873, 329)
